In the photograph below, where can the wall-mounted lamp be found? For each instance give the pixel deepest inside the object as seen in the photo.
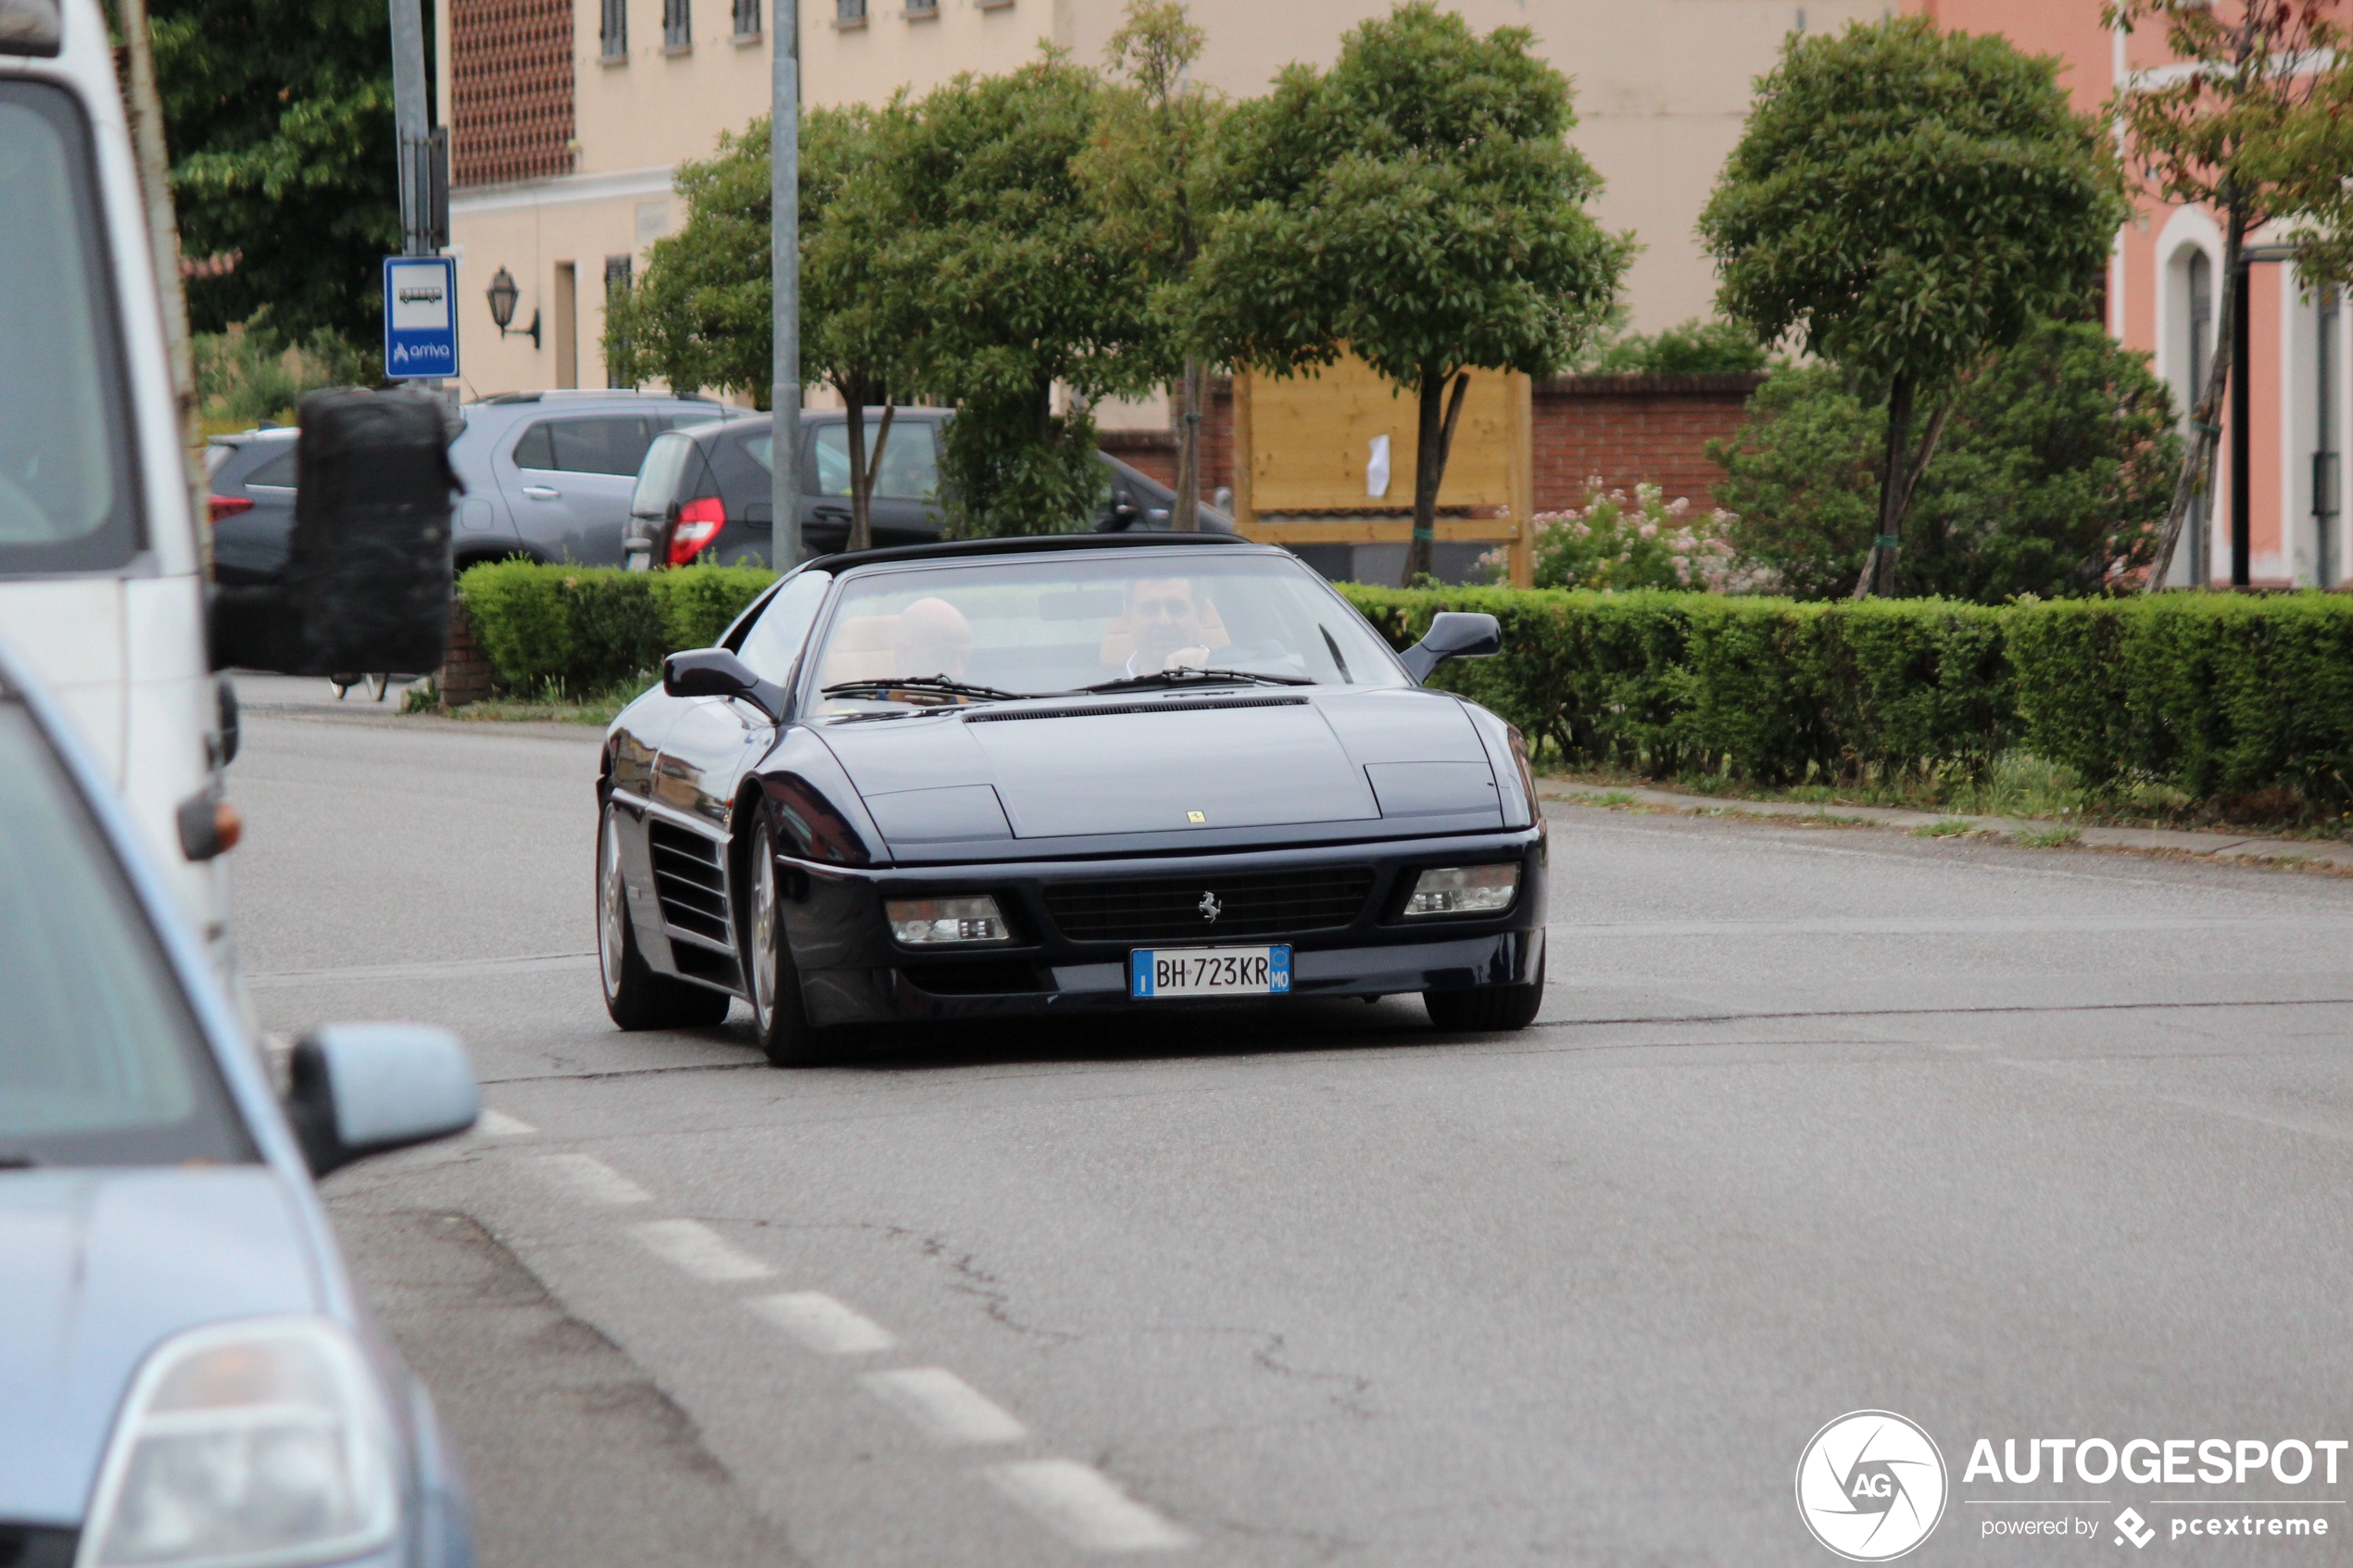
(503, 295)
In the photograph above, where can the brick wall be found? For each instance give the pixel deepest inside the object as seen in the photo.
(1626, 429)
(465, 674)
(510, 89)
(1633, 428)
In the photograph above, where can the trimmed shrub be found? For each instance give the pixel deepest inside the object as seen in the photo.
(2219, 695)
(589, 629)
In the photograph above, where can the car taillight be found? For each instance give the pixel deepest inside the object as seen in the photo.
(228, 506)
(698, 523)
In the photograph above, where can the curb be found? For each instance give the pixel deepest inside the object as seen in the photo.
(2175, 841)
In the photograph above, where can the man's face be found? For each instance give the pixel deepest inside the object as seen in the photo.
(1165, 620)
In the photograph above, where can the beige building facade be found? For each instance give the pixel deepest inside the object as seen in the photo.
(568, 117)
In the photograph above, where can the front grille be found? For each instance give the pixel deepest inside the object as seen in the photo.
(689, 882)
(1167, 909)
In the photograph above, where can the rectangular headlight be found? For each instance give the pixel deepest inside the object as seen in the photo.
(938, 923)
(1463, 890)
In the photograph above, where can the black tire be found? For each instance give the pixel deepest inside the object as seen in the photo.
(635, 996)
(772, 980)
(1487, 1008)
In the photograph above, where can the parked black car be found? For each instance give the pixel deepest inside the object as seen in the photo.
(1077, 773)
(704, 493)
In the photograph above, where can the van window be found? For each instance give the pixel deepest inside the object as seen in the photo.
(69, 498)
(612, 444)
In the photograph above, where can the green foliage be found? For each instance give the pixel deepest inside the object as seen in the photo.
(1417, 204)
(580, 631)
(1695, 348)
(1616, 541)
(2055, 470)
(279, 114)
(2221, 698)
(249, 374)
(701, 313)
(1904, 199)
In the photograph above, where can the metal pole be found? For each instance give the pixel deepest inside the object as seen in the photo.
(783, 160)
(410, 128)
(2242, 437)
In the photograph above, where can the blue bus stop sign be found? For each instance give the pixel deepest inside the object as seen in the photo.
(421, 318)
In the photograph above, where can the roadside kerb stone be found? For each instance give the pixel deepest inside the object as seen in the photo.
(2185, 841)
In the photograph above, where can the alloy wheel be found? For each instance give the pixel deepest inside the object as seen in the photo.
(611, 905)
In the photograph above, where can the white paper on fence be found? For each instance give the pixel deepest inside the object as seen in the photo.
(1376, 469)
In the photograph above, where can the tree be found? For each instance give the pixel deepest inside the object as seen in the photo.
(2051, 477)
(1419, 206)
(2245, 129)
(700, 314)
(1022, 286)
(1905, 201)
(279, 121)
(1150, 172)
(1694, 348)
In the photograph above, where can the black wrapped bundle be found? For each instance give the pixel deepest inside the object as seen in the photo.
(368, 567)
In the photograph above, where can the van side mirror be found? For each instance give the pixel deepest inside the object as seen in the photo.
(369, 1089)
(368, 580)
(1453, 634)
(717, 673)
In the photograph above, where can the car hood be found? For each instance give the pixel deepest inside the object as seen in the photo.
(1169, 763)
(100, 1266)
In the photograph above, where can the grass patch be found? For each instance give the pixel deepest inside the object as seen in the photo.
(1951, 827)
(2049, 838)
(549, 703)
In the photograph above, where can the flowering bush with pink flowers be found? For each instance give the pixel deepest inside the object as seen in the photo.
(1617, 541)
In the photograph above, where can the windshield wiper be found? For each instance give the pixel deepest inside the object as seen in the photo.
(1188, 676)
(940, 683)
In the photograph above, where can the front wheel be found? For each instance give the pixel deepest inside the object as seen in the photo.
(635, 996)
(1487, 1008)
(772, 979)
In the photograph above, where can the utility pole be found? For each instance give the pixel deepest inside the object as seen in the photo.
(784, 166)
(422, 151)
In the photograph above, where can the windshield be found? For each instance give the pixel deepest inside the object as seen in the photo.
(658, 476)
(1025, 625)
(100, 1060)
(65, 489)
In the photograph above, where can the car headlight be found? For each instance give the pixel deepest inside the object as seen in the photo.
(932, 922)
(1463, 890)
(258, 1443)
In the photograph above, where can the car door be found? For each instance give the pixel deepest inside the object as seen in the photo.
(573, 475)
(905, 510)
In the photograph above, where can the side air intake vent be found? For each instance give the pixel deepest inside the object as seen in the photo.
(690, 884)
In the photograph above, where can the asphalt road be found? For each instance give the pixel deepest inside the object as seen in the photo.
(2015, 1143)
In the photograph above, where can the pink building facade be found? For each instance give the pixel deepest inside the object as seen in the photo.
(2285, 471)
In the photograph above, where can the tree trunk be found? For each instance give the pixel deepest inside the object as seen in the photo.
(1878, 566)
(2206, 415)
(853, 399)
(1434, 434)
(1184, 516)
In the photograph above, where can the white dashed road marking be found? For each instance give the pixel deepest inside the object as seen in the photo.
(822, 1323)
(699, 1249)
(591, 1179)
(498, 1125)
(1085, 1507)
(947, 1409)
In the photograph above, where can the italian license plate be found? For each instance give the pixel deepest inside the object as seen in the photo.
(1208, 971)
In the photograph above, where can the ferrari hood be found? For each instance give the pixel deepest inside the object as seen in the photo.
(1165, 762)
(100, 1267)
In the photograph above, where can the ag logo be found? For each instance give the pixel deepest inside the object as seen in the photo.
(1870, 1486)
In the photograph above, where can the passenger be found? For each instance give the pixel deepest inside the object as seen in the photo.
(933, 638)
(1166, 623)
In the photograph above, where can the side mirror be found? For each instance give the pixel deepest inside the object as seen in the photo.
(368, 1088)
(368, 577)
(717, 673)
(1453, 635)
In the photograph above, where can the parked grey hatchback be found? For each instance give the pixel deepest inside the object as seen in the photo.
(547, 476)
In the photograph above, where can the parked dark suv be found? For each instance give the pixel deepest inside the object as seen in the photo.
(704, 493)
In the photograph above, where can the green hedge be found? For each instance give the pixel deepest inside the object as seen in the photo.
(588, 628)
(2219, 695)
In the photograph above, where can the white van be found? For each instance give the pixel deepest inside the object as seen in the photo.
(103, 588)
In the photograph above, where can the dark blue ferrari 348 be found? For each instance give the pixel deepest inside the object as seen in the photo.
(1075, 774)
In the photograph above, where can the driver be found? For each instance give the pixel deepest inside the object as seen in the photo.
(1167, 622)
(933, 638)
